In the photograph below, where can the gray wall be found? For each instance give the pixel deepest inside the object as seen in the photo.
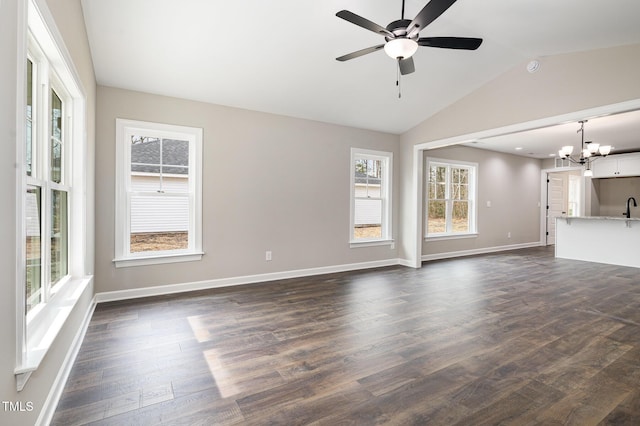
(68, 17)
(270, 183)
(564, 84)
(512, 184)
(612, 195)
(277, 183)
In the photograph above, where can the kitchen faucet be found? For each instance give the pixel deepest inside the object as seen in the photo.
(628, 213)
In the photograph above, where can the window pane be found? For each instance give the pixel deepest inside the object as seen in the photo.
(29, 124)
(175, 183)
(56, 138)
(360, 178)
(367, 219)
(374, 169)
(145, 154)
(459, 181)
(59, 235)
(368, 178)
(460, 216)
(440, 191)
(464, 192)
(464, 176)
(437, 180)
(436, 220)
(373, 190)
(56, 161)
(159, 222)
(455, 175)
(33, 294)
(455, 191)
(438, 174)
(145, 182)
(175, 153)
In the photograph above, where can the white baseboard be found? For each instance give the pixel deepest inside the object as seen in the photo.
(484, 250)
(406, 262)
(111, 296)
(50, 404)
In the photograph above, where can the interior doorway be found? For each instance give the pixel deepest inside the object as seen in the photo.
(564, 189)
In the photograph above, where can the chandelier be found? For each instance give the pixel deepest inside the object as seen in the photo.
(589, 150)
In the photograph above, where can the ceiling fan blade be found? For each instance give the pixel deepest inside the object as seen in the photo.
(406, 66)
(465, 43)
(428, 14)
(364, 23)
(359, 53)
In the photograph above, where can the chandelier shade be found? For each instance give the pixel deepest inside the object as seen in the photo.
(588, 150)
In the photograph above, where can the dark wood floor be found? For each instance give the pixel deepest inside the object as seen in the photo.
(511, 338)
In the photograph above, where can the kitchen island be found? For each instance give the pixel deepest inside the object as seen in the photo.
(612, 240)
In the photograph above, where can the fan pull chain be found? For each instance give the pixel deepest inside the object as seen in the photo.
(398, 77)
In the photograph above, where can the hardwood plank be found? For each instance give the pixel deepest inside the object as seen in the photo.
(515, 337)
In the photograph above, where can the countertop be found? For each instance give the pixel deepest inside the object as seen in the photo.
(622, 218)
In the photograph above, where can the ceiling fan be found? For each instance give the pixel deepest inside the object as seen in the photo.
(402, 36)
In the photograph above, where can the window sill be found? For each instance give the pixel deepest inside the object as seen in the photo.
(45, 324)
(370, 243)
(157, 259)
(451, 237)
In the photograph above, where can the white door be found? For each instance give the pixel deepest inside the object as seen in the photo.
(557, 202)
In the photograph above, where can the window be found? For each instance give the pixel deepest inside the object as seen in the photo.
(48, 179)
(51, 145)
(158, 201)
(370, 196)
(451, 195)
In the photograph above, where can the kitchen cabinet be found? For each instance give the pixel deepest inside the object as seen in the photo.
(611, 240)
(617, 166)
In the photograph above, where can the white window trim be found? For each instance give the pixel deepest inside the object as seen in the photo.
(473, 219)
(36, 332)
(123, 258)
(386, 193)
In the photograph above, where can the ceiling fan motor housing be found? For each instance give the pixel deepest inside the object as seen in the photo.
(399, 29)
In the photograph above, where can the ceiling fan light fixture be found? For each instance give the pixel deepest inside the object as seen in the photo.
(401, 48)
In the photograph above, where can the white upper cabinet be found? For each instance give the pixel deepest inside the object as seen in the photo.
(617, 166)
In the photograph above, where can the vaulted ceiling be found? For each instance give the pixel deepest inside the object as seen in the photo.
(279, 56)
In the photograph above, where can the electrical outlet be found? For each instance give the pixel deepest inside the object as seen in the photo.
(267, 255)
(508, 234)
